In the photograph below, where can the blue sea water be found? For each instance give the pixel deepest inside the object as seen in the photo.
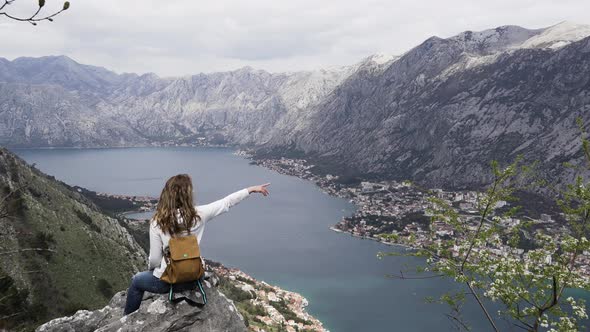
(283, 239)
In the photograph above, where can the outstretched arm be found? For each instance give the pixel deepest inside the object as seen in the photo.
(218, 207)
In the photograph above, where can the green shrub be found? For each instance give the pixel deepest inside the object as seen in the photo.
(252, 309)
(85, 218)
(284, 310)
(43, 240)
(234, 293)
(14, 307)
(71, 308)
(105, 288)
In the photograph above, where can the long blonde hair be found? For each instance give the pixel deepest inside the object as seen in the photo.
(176, 200)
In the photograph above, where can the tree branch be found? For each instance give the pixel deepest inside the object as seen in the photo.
(33, 19)
(482, 306)
(481, 222)
(458, 322)
(547, 306)
(9, 316)
(404, 277)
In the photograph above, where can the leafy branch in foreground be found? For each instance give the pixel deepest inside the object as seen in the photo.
(483, 255)
(34, 18)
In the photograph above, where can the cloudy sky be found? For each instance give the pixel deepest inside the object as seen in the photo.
(179, 37)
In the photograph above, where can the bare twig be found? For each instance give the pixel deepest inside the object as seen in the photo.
(33, 19)
(5, 297)
(482, 306)
(33, 271)
(458, 322)
(9, 252)
(484, 216)
(9, 316)
(404, 277)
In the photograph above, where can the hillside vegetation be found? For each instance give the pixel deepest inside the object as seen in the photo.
(58, 251)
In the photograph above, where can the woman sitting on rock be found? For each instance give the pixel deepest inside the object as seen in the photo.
(175, 215)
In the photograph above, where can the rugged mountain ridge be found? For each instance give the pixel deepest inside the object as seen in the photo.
(100, 108)
(437, 114)
(440, 122)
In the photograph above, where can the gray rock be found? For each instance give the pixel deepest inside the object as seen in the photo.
(155, 314)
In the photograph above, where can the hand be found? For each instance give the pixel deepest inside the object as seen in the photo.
(259, 189)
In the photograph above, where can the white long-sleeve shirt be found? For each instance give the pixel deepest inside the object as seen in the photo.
(159, 240)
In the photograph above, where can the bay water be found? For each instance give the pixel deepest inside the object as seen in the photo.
(283, 239)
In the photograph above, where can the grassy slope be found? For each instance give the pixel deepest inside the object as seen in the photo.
(94, 256)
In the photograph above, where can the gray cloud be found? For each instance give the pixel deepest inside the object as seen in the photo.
(179, 37)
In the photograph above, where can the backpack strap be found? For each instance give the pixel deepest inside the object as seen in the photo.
(186, 299)
(202, 291)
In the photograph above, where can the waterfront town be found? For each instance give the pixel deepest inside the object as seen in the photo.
(266, 308)
(399, 213)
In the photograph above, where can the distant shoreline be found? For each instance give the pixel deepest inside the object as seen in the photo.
(247, 155)
(126, 214)
(118, 147)
(391, 244)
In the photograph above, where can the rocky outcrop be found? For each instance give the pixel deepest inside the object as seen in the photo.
(155, 314)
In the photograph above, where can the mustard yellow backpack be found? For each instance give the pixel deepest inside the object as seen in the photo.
(184, 264)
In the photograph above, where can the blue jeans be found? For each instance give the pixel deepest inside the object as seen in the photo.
(146, 282)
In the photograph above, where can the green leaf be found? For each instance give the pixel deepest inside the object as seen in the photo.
(41, 3)
(66, 5)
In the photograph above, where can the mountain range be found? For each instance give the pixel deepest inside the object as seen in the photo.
(437, 114)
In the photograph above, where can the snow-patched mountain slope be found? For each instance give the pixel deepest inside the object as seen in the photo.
(430, 120)
(493, 40)
(557, 36)
(485, 47)
(512, 37)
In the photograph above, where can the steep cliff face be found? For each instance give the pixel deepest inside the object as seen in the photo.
(445, 109)
(58, 252)
(54, 101)
(437, 114)
(50, 115)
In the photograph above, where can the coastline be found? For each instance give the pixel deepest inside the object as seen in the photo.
(400, 214)
(266, 307)
(323, 186)
(132, 146)
(334, 218)
(391, 244)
